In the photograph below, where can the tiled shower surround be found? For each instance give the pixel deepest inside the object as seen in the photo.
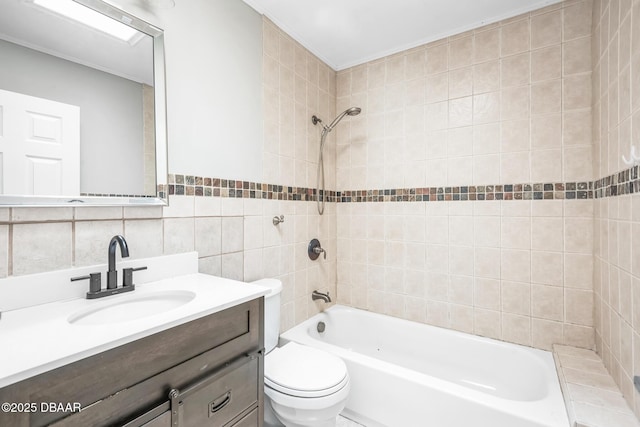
(616, 128)
(470, 192)
(496, 120)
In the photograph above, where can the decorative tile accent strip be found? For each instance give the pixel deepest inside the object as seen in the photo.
(136, 196)
(217, 187)
(624, 182)
(161, 192)
(190, 185)
(540, 191)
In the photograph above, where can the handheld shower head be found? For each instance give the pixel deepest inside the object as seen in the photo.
(353, 111)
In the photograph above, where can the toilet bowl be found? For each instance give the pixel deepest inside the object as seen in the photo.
(303, 386)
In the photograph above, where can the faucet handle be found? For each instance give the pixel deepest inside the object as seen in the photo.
(127, 275)
(318, 250)
(315, 249)
(95, 284)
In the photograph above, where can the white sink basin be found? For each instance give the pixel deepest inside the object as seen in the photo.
(124, 308)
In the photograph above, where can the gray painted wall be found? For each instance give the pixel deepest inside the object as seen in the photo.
(214, 87)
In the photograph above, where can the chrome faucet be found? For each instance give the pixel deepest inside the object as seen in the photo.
(112, 273)
(319, 295)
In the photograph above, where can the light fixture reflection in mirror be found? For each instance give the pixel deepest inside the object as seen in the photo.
(90, 17)
(117, 87)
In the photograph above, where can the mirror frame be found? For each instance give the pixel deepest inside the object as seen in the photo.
(160, 116)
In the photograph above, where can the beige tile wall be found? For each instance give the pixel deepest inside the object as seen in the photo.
(505, 104)
(513, 270)
(616, 127)
(297, 85)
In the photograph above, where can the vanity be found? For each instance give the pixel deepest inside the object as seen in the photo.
(185, 350)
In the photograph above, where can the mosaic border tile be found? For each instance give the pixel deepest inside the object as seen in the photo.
(623, 182)
(618, 184)
(137, 196)
(191, 185)
(537, 191)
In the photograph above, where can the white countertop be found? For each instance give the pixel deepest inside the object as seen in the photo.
(37, 339)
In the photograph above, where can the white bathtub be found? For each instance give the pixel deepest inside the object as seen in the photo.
(407, 374)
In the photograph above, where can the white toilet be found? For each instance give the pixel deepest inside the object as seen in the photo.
(303, 386)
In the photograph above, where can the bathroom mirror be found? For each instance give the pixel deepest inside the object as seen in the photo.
(82, 105)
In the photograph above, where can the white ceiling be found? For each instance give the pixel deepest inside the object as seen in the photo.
(25, 24)
(344, 33)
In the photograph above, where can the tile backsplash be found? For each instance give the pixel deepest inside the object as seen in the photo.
(234, 238)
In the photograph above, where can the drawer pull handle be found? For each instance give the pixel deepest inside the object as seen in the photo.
(215, 406)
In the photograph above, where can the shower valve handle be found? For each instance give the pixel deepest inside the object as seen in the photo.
(315, 249)
(319, 251)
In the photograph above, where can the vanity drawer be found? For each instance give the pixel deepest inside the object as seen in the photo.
(228, 396)
(164, 420)
(249, 420)
(218, 399)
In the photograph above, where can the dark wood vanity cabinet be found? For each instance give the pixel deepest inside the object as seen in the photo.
(204, 373)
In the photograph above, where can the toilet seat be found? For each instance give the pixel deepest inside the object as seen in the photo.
(301, 371)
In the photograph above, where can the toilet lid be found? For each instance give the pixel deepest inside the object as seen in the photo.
(302, 371)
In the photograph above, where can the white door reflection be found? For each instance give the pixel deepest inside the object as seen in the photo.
(39, 146)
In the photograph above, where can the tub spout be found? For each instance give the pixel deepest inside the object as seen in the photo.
(319, 295)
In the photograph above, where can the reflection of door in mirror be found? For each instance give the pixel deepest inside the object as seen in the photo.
(39, 146)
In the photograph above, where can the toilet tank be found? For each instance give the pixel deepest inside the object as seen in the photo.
(271, 312)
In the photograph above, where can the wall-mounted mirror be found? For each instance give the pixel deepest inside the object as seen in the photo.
(82, 105)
